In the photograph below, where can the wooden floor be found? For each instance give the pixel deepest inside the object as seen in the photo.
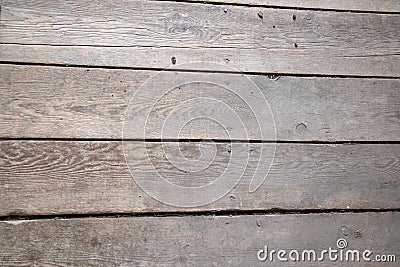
(306, 93)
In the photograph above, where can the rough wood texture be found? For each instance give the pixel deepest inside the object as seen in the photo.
(49, 177)
(76, 179)
(54, 102)
(354, 5)
(194, 241)
(223, 59)
(134, 33)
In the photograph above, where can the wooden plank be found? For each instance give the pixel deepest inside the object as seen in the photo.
(198, 241)
(222, 59)
(55, 177)
(140, 33)
(354, 5)
(56, 102)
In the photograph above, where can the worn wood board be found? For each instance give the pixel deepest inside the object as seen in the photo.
(49, 177)
(194, 241)
(145, 34)
(56, 102)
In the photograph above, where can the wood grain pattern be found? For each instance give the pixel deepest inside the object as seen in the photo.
(54, 177)
(55, 102)
(354, 5)
(222, 59)
(193, 241)
(52, 102)
(347, 44)
(129, 97)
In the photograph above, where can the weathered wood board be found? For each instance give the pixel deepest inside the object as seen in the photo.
(145, 34)
(196, 241)
(345, 5)
(56, 102)
(48, 177)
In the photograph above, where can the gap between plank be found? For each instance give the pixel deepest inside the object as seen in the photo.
(185, 140)
(222, 213)
(194, 71)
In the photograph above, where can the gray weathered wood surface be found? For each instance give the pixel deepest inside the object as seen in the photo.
(353, 5)
(49, 177)
(55, 102)
(70, 69)
(148, 34)
(194, 241)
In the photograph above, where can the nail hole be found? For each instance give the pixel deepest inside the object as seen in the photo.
(173, 60)
(301, 128)
(260, 15)
(294, 17)
(295, 45)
